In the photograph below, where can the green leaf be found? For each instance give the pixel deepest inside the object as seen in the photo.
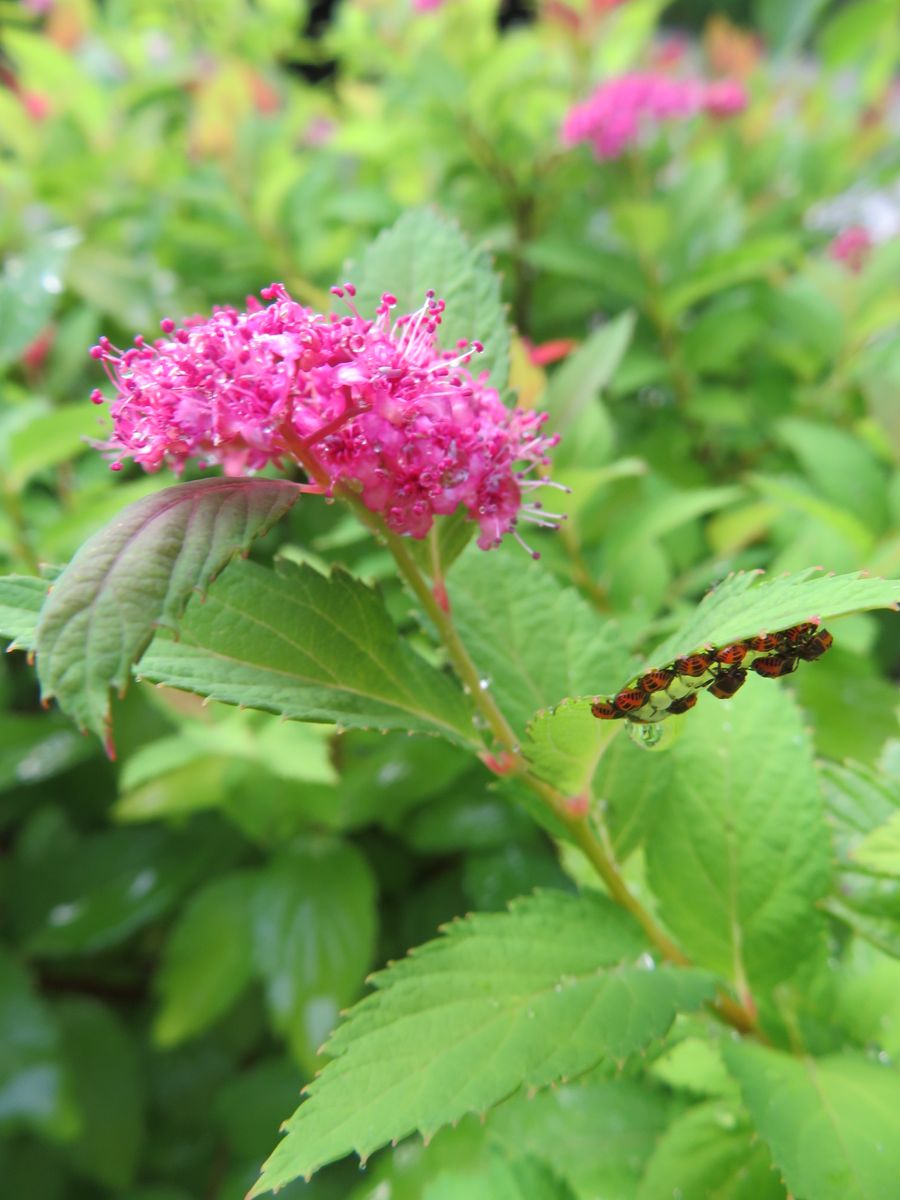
(502, 1000)
(308, 647)
(138, 573)
(37, 748)
(596, 1134)
(48, 440)
(743, 606)
(422, 250)
(206, 961)
(880, 850)
(93, 896)
(21, 598)
(32, 1088)
(106, 1081)
(566, 743)
(313, 936)
(859, 803)
(738, 853)
(535, 643)
(710, 1153)
(500, 1179)
(786, 26)
(30, 286)
(575, 389)
(754, 259)
(250, 1106)
(830, 1123)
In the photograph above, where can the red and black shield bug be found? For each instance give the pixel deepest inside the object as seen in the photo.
(774, 666)
(731, 656)
(693, 665)
(630, 699)
(765, 641)
(683, 704)
(656, 680)
(816, 646)
(605, 710)
(797, 634)
(726, 683)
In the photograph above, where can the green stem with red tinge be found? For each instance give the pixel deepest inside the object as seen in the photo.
(567, 809)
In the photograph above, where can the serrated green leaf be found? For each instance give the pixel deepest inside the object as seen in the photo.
(138, 573)
(744, 605)
(739, 853)
(535, 643)
(313, 937)
(206, 961)
(880, 850)
(501, 1000)
(423, 250)
(21, 598)
(710, 1153)
(597, 1134)
(830, 1123)
(565, 744)
(106, 1081)
(308, 647)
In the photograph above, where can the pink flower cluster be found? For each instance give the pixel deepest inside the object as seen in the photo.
(612, 118)
(374, 405)
(851, 247)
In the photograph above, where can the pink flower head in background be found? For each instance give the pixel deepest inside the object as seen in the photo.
(617, 112)
(851, 247)
(427, 5)
(372, 404)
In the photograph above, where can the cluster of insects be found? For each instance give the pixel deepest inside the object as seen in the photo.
(663, 691)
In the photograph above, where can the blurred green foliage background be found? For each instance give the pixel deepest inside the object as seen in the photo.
(180, 928)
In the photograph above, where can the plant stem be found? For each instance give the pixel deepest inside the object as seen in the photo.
(572, 815)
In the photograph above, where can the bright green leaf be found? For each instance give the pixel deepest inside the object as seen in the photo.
(308, 647)
(422, 251)
(880, 850)
(575, 388)
(313, 937)
(738, 853)
(206, 961)
(596, 1134)
(710, 1153)
(743, 605)
(566, 743)
(138, 573)
(501, 1000)
(534, 643)
(500, 1178)
(830, 1123)
(48, 440)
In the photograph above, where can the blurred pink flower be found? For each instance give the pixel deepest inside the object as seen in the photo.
(372, 404)
(613, 117)
(851, 247)
(427, 5)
